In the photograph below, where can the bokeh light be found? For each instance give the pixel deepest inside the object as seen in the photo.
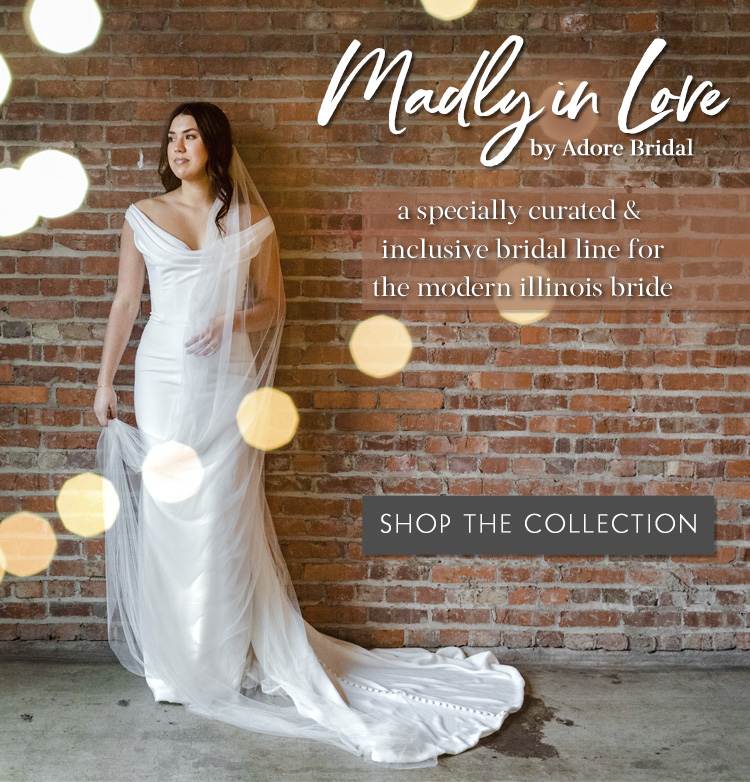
(17, 210)
(172, 471)
(5, 78)
(63, 26)
(49, 183)
(448, 9)
(512, 276)
(88, 504)
(267, 418)
(57, 181)
(563, 128)
(28, 543)
(380, 346)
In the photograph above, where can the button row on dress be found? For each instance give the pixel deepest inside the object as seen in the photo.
(408, 695)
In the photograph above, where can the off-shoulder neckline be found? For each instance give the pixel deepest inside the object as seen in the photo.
(187, 247)
(172, 236)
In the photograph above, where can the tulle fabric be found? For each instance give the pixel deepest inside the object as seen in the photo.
(199, 598)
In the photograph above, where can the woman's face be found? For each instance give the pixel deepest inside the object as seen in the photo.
(186, 151)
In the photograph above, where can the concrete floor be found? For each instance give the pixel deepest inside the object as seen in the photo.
(72, 713)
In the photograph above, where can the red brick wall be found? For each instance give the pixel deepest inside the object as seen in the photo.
(617, 403)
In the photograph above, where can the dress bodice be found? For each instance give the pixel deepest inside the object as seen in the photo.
(171, 265)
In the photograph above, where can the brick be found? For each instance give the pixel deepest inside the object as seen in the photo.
(452, 575)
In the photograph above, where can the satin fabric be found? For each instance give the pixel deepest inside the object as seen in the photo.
(219, 629)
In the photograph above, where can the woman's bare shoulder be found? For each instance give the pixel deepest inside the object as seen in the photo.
(151, 206)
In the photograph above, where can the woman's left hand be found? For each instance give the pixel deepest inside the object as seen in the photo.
(208, 341)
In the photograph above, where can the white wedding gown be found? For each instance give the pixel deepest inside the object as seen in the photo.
(218, 626)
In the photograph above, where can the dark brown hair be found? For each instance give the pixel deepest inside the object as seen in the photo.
(216, 133)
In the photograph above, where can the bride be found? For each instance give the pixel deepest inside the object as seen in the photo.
(200, 602)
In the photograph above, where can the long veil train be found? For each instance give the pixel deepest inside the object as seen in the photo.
(199, 598)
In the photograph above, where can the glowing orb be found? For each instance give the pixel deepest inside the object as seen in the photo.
(57, 181)
(448, 9)
(267, 418)
(563, 128)
(64, 26)
(28, 543)
(172, 471)
(380, 346)
(513, 276)
(5, 78)
(88, 504)
(17, 210)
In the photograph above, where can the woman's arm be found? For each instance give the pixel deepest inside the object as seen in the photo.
(257, 318)
(130, 278)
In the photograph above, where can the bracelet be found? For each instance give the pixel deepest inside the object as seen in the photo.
(100, 386)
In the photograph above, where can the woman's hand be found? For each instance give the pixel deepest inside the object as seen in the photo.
(105, 404)
(209, 340)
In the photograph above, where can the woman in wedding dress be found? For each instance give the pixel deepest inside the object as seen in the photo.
(200, 601)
